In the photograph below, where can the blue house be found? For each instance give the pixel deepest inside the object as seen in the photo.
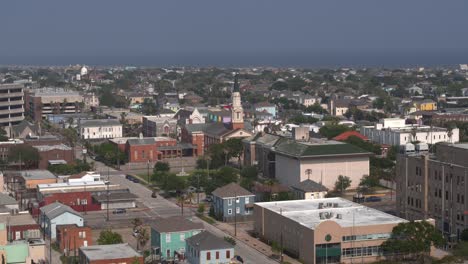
(206, 248)
(168, 236)
(56, 214)
(233, 203)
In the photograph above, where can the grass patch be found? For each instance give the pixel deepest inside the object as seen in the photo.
(207, 219)
(69, 260)
(55, 247)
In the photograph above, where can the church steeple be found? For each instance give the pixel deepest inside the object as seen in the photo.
(237, 112)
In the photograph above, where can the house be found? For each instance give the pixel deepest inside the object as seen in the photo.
(32, 251)
(100, 128)
(21, 226)
(156, 126)
(168, 235)
(72, 237)
(206, 248)
(85, 176)
(266, 192)
(310, 100)
(115, 200)
(233, 203)
(8, 203)
(309, 189)
(425, 105)
(415, 90)
(58, 214)
(23, 130)
(109, 254)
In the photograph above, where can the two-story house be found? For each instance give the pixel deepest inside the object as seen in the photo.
(56, 214)
(206, 248)
(233, 203)
(168, 236)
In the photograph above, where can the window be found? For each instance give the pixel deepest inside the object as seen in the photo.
(168, 238)
(237, 210)
(82, 234)
(229, 201)
(228, 254)
(84, 202)
(208, 255)
(229, 211)
(217, 254)
(182, 237)
(246, 200)
(237, 200)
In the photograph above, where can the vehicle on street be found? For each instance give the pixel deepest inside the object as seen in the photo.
(371, 199)
(129, 177)
(119, 211)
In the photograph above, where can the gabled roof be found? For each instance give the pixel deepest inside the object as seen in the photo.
(56, 209)
(309, 186)
(345, 135)
(99, 122)
(196, 127)
(207, 241)
(175, 224)
(141, 141)
(216, 129)
(293, 148)
(6, 199)
(231, 190)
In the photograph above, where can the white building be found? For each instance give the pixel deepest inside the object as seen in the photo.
(100, 128)
(394, 131)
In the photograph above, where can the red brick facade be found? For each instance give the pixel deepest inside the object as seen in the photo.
(142, 153)
(55, 154)
(73, 237)
(196, 139)
(19, 232)
(79, 201)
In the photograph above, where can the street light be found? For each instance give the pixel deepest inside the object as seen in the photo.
(147, 173)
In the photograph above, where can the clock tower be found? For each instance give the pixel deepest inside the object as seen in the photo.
(237, 112)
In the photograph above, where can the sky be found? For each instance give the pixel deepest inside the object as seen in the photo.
(236, 32)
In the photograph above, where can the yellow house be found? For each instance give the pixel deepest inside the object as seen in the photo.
(426, 105)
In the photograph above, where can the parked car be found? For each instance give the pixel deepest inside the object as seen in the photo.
(135, 180)
(373, 199)
(119, 211)
(129, 177)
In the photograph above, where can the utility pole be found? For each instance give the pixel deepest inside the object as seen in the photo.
(107, 183)
(85, 205)
(235, 214)
(281, 238)
(198, 188)
(147, 173)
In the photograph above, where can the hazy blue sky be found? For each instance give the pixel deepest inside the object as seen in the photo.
(287, 32)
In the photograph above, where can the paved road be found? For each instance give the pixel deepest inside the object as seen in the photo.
(159, 207)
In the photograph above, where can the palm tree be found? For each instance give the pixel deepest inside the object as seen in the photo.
(142, 237)
(181, 200)
(189, 196)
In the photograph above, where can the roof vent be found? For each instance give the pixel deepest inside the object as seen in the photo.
(339, 216)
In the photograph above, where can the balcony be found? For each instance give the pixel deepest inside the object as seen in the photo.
(7, 95)
(11, 111)
(12, 119)
(7, 103)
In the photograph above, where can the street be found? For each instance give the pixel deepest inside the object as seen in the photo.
(150, 208)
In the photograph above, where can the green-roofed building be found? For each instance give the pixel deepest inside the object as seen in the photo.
(292, 161)
(319, 160)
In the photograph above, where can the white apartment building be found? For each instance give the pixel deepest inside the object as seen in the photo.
(100, 128)
(11, 104)
(394, 131)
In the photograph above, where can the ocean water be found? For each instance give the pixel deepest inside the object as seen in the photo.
(278, 59)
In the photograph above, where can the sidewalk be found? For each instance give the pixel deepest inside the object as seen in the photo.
(252, 242)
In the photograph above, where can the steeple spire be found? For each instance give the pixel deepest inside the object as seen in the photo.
(236, 83)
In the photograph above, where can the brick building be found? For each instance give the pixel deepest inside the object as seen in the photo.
(54, 153)
(72, 237)
(21, 226)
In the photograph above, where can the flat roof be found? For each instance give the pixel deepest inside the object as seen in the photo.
(310, 213)
(37, 175)
(115, 251)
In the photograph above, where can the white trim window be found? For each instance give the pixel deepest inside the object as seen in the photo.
(229, 201)
(229, 211)
(237, 210)
(237, 199)
(168, 238)
(246, 200)
(182, 237)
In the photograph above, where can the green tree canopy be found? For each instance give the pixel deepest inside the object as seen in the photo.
(108, 237)
(25, 154)
(332, 130)
(413, 238)
(3, 136)
(161, 166)
(342, 183)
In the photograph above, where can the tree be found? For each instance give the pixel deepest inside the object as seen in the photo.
(172, 182)
(142, 237)
(24, 154)
(413, 238)
(342, 183)
(333, 130)
(136, 222)
(108, 237)
(201, 208)
(234, 148)
(161, 166)
(3, 136)
(464, 235)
